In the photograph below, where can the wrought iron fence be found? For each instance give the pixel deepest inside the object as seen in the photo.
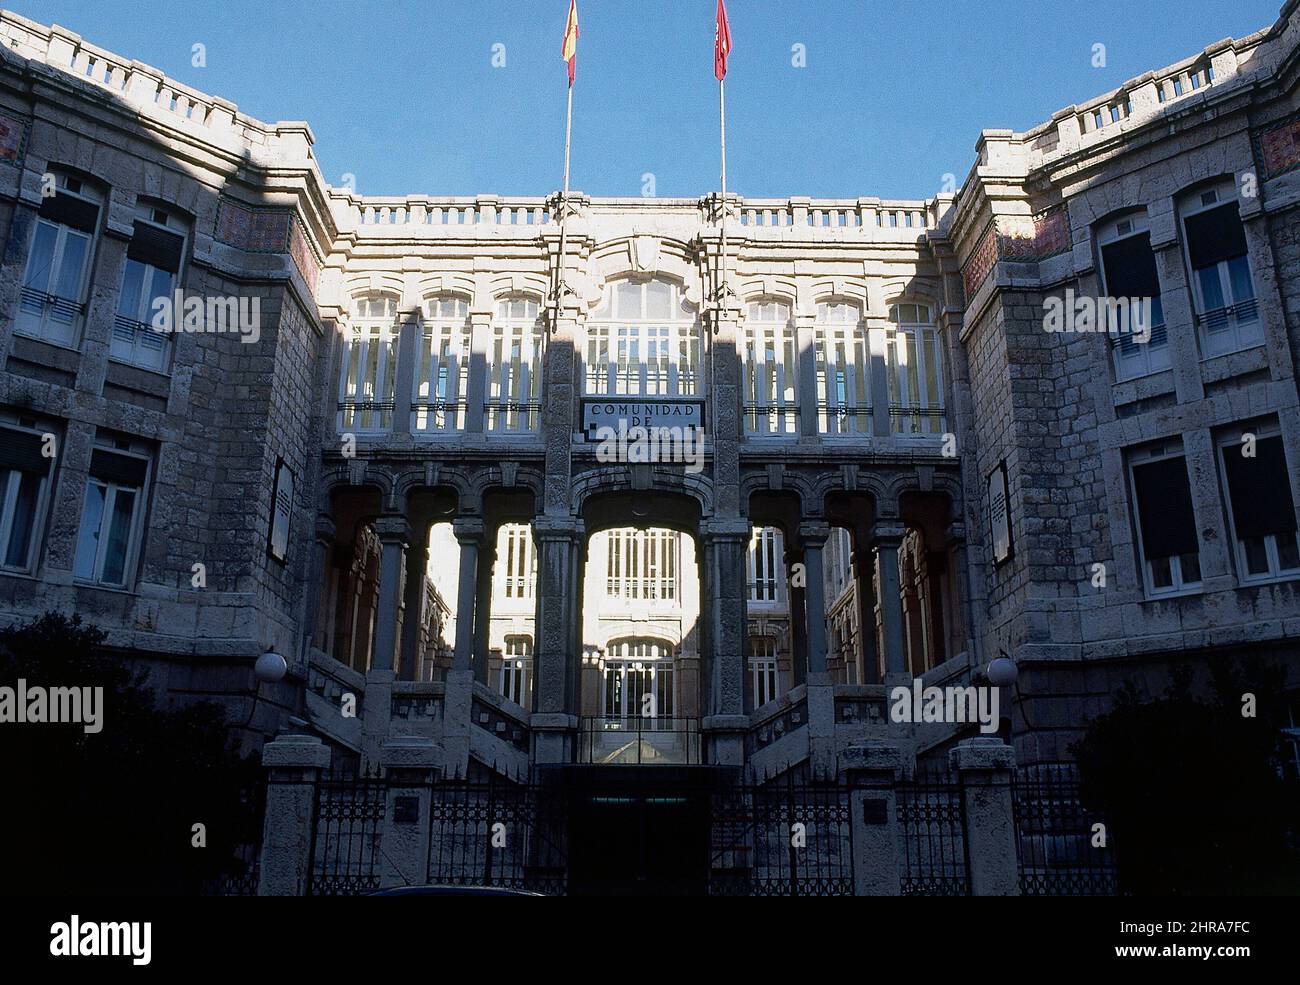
(781, 840)
(1060, 852)
(345, 853)
(932, 825)
(240, 873)
(498, 834)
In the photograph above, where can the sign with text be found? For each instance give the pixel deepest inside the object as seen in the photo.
(1000, 514)
(622, 414)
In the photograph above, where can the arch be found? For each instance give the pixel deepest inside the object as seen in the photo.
(518, 285)
(612, 261)
(771, 288)
(613, 480)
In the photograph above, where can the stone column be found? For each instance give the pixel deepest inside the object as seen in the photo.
(877, 345)
(805, 347)
(294, 764)
(886, 538)
(821, 690)
(413, 614)
(394, 537)
(459, 689)
(726, 722)
(487, 557)
(316, 607)
(411, 765)
(866, 595)
(871, 772)
(984, 766)
(557, 644)
(404, 380)
(798, 601)
(476, 388)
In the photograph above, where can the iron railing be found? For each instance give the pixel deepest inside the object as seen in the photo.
(345, 845)
(1060, 849)
(932, 831)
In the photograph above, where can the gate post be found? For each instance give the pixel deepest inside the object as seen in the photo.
(983, 767)
(293, 763)
(410, 765)
(871, 771)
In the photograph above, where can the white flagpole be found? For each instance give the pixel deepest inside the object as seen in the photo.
(722, 260)
(560, 286)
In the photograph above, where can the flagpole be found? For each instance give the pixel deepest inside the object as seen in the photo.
(560, 286)
(722, 260)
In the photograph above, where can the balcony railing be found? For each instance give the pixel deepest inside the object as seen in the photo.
(634, 740)
(508, 416)
(916, 420)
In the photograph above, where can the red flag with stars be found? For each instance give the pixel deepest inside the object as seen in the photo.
(721, 44)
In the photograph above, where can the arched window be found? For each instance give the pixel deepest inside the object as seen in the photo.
(1128, 271)
(57, 278)
(639, 679)
(442, 366)
(1223, 284)
(515, 375)
(369, 365)
(771, 369)
(151, 274)
(843, 370)
(915, 371)
(643, 340)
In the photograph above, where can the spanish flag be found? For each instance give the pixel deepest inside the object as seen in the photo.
(569, 50)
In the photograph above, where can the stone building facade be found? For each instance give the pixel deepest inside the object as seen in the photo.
(880, 382)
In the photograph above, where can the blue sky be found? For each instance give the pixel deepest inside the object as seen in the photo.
(404, 95)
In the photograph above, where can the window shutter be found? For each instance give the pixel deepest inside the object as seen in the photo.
(71, 211)
(22, 450)
(156, 247)
(1164, 500)
(1215, 235)
(1131, 268)
(125, 470)
(1260, 489)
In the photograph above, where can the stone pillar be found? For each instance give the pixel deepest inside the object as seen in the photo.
(984, 766)
(813, 536)
(798, 624)
(877, 345)
(394, 537)
(404, 380)
(480, 321)
(557, 644)
(413, 614)
(469, 535)
(871, 772)
(821, 690)
(886, 538)
(805, 347)
(866, 592)
(487, 557)
(411, 765)
(293, 763)
(725, 724)
(316, 607)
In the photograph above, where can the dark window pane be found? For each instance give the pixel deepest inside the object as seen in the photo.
(1259, 488)
(1215, 235)
(1164, 501)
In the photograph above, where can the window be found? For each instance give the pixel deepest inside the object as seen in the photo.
(639, 680)
(766, 564)
(643, 340)
(1166, 524)
(442, 368)
(516, 561)
(762, 669)
(24, 486)
(281, 512)
(642, 564)
(915, 376)
(1128, 270)
(52, 305)
(112, 513)
(1259, 503)
(515, 377)
(843, 370)
(771, 369)
(1222, 284)
(517, 670)
(153, 263)
(369, 365)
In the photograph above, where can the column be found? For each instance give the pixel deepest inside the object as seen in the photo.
(877, 343)
(871, 772)
(394, 537)
(886, 538)
(404, 380)
(293, 763)
(984, 766)
(725, 724)
(798, 623)
(863, 566)
(413, 614)
(469, 535)
(805, 340)
(557, 643)
(317, 607)
(410, 765)
(476, 387)
(487, 557)
(813, 536)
